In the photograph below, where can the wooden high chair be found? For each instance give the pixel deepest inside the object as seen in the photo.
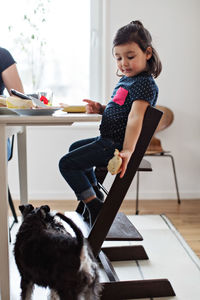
(115, 226)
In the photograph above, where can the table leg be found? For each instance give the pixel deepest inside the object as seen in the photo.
(4, 253)
(22, 166)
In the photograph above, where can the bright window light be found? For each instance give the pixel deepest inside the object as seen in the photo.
(50, 41)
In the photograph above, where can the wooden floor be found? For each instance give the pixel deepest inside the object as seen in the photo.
(185, 217)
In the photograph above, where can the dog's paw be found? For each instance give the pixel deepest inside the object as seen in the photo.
(53, 295)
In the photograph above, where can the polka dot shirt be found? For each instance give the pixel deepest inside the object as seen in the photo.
(128, 89)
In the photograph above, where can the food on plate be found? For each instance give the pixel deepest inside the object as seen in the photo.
(73, 108)
(3, 102)
(114, 163)
(18, 103)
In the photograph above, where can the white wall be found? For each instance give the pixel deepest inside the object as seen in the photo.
(174, 25)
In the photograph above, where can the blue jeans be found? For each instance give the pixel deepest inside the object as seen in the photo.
(77, 167)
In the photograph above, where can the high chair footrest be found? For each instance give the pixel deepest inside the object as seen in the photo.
(123, 230)
(122, 253)
(136, 289)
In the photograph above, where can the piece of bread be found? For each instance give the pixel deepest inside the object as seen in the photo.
(74, 108)
(3, 102)
(16, 102)
(114, 163)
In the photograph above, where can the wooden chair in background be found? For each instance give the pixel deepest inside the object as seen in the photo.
(155, 150)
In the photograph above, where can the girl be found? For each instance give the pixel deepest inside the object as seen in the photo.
(122, 118)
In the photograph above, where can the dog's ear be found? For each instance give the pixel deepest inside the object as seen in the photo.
(21, 208)
(43, 211)
(26, 208)
(45, 208)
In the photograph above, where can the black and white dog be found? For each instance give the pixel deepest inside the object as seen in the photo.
(47, 255)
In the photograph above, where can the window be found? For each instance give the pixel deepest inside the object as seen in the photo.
(56, 45)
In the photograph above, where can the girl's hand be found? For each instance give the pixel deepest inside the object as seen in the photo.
(125, 155)
(93, 107)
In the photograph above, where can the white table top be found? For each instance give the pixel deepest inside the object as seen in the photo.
(56, 119)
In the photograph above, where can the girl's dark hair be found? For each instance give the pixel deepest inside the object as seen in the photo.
(135, 32)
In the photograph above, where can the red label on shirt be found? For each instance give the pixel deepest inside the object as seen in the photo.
(120, 96)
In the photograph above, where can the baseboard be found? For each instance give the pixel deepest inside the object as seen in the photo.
(130, 195)
(160, 206)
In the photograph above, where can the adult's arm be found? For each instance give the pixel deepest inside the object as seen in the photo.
(12, 79)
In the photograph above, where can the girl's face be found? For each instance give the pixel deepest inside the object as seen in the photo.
(131, 60)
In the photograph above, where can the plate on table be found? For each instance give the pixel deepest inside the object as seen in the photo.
(35, 111)
(74, 109)
(6, 111)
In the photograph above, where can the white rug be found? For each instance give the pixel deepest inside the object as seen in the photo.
(169, 257)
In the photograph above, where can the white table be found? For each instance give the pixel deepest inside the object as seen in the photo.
(10, 124)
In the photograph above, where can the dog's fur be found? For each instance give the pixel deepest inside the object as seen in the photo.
(47, 255)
